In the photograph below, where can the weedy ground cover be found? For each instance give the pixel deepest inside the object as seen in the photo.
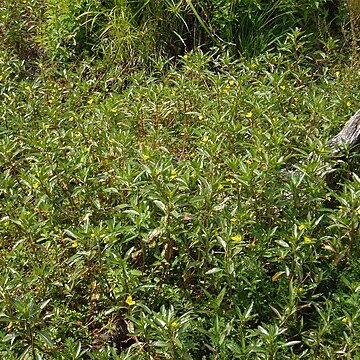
(165, 204)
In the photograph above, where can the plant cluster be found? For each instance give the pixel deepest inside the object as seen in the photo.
(178, 215)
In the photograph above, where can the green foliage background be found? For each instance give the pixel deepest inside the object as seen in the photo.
(162, 191)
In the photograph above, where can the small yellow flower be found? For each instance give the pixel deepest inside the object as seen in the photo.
(253, 65)
(71, 118)
(231, 180)
(28, 88)
(348, 104)
(201, 117)
(231, 82)
(185, 56)
(282, 87)
(301, 227)
(307, 239)
(174, 324)
(233, 220)
(50, 101)
(75, 244)
(1, 77)
(220, 187)
(90, 101)
(236, 238)
(35, 185)
(358, 212)
(248, 161)
(173, 174)
(205, 139)
(295, 119)
(249, 115)
(146, 157)
(129, 300)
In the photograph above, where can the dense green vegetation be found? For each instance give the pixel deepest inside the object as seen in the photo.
(148, 203)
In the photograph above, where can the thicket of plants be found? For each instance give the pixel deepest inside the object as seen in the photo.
(148, 203)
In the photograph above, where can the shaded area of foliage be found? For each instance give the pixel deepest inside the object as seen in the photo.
(140, 33)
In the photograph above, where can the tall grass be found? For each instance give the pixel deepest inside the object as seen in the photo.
(141, 32)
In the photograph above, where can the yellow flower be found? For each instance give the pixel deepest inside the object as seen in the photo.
(220, 187)
(35, 185)
(282, 87)
(249, 115)
(301, 227)
(231, 180)
(51, 101)
(295, 118)
(90, 101)
(174, 324)
(236, 238)
(75, 244)
(307, 239)
(28, 88)
(248, 161)
(201, 117)
(253, 66)
(129, 300)
(358, 212)
(348, 104)
(233, 220)
(146, 157)
(205, 139)
(173, 174)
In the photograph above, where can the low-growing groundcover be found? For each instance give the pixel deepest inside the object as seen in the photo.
(159, 217)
